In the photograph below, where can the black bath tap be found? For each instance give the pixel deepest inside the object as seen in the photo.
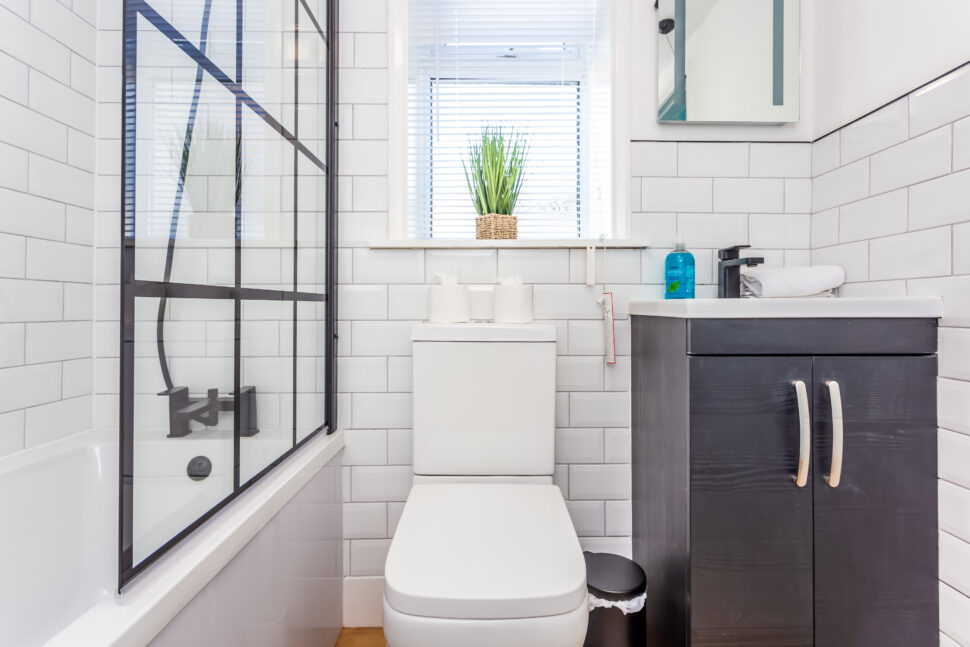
(729, 271)
(184, 408)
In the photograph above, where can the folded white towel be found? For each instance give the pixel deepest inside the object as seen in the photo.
(791, 281)
(826, 294)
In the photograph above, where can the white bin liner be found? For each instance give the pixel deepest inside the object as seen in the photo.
(632, 605)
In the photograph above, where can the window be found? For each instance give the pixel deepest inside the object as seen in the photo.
(542, 68)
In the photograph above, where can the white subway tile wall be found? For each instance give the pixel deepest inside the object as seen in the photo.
(875, 132)
(892, 206)
(106, 224)
(48, 96)
(714, 195)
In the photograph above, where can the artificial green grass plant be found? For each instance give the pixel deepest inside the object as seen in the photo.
(494, 171)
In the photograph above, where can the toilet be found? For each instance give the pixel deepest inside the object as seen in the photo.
(485, 552)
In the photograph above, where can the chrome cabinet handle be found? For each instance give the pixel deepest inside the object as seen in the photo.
(804, 434)
(838, 445)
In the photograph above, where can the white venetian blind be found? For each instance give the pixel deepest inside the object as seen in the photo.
(538, 67)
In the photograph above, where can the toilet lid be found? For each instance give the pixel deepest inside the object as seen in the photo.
(479, 551)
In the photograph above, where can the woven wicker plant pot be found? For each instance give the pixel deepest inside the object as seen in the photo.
(496, 226)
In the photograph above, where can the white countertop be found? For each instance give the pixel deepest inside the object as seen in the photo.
(894, 307)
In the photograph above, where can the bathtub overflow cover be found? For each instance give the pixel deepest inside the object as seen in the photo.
(199, 468)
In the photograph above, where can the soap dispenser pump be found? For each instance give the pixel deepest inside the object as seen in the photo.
(679, 273)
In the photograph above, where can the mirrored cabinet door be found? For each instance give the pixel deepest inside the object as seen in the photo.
(728, 61)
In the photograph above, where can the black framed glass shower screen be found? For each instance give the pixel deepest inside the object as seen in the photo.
(227, 255)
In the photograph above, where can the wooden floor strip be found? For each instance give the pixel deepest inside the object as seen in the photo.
(361, 637)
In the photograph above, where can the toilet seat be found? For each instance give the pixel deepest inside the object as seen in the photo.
(564, 630)
(470, 552)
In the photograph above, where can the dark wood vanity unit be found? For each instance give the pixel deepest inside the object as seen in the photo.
(752, 526)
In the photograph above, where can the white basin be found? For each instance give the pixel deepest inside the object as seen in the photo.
(894, 307)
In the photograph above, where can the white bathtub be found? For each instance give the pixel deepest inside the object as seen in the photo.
(58, 534)
(58, 544)
(166, 500)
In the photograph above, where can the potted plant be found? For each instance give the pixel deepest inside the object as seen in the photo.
(494, 173)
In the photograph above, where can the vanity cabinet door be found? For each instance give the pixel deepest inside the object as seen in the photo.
(876, 531)
(750, 524)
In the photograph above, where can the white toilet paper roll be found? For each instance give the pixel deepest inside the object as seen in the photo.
(448, 304)
(513, 304)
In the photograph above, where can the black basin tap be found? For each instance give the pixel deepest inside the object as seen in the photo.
(729, 270)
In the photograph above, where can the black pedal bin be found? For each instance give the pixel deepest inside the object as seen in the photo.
(615, 578)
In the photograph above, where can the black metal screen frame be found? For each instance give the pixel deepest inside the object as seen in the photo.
(131, 288)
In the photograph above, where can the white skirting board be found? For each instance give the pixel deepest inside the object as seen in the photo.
(363, 601)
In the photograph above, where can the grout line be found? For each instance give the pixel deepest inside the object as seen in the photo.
(868, 160)
(908, 115)
(953, 145)
(953, 483)
(944, 531)
(952, 251)
(884, 236)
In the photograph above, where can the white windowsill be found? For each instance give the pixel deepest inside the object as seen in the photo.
(609, 243)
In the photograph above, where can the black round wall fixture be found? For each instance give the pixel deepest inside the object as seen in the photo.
(666, 25)
(199, 468)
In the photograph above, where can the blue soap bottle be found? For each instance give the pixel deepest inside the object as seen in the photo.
(679, 273)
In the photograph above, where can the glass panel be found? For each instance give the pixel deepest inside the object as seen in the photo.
(312, 91)
(267, 206)
(547, 116)
(312, 227)
(311, 365)
(266, 345)
(186, 161)
(166, 498)
(269, 57)
(547, 79)
(209, 25)
(318, 10)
